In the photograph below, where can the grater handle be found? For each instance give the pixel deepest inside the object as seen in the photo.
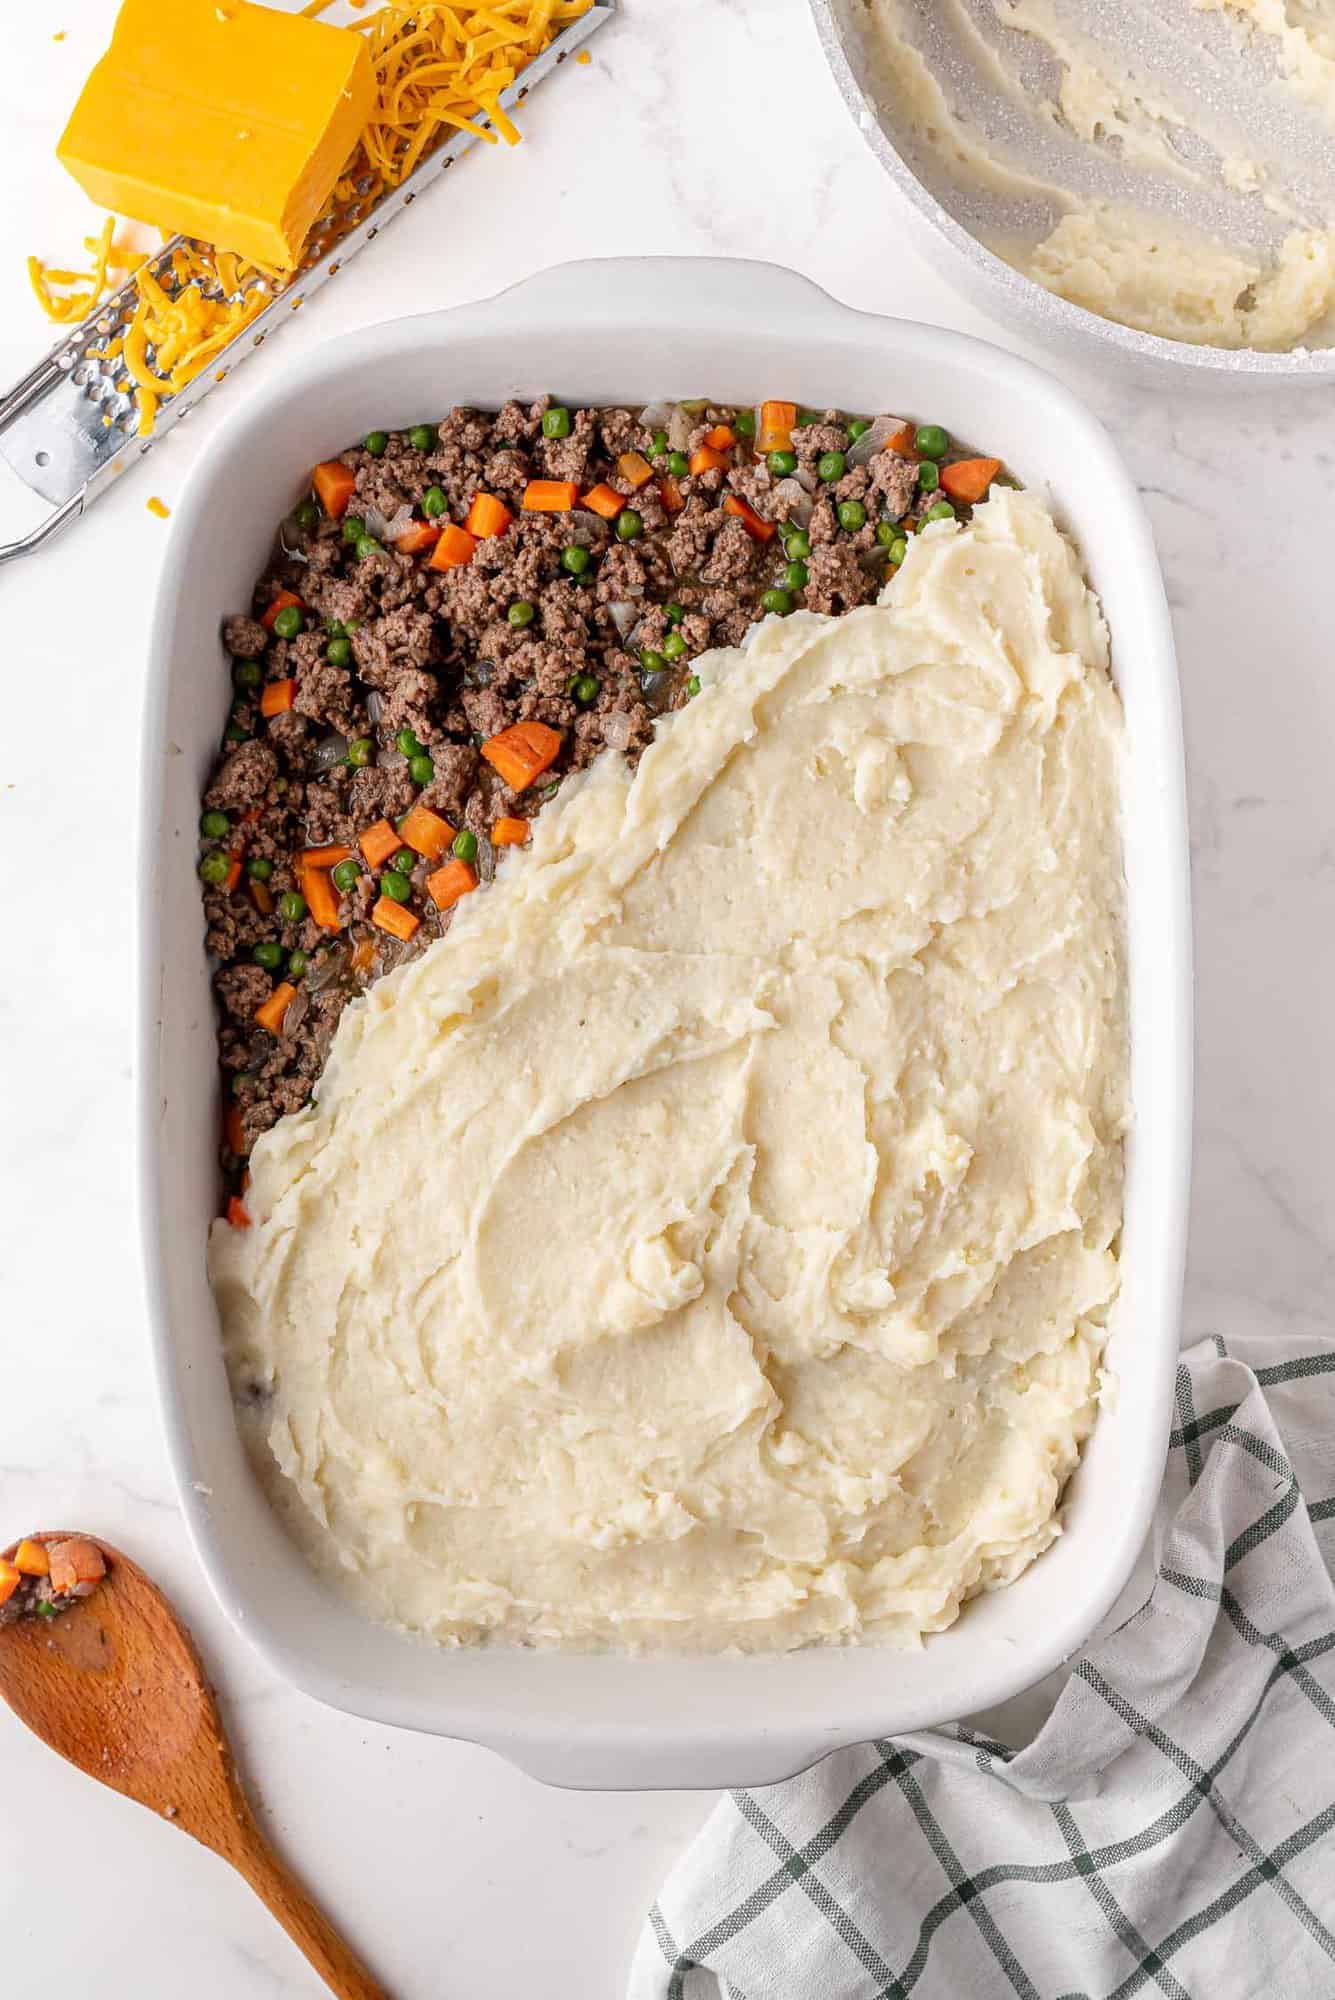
(54, 521)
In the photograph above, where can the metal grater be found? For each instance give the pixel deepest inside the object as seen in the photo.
(68, 431)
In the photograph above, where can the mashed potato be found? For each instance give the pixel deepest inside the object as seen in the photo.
(709, 1242)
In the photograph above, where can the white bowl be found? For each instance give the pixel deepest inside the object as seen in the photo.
(628, 332)
(980, 275)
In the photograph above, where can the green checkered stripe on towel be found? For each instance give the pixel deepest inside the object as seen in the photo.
(1171, 1828)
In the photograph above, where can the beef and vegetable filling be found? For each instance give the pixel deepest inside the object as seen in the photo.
(459, 615)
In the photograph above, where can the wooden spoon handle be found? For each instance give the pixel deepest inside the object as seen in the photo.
(305, 1923)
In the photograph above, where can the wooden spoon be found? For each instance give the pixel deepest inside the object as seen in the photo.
(116, 1686)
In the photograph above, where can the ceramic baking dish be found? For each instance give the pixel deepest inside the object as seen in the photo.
(628, 332)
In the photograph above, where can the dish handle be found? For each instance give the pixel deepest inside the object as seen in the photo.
(598, 290)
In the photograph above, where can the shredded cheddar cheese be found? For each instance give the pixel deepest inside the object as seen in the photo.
(440, 65)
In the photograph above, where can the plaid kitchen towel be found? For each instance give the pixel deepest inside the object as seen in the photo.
(1170, 1829)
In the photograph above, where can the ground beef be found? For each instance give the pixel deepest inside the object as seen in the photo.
(430, 663)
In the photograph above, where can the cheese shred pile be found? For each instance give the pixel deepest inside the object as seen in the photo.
(439, 66)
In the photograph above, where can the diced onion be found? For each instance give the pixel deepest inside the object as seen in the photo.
(586, 528)
(486, 858)
(806, 479)
(375, 704)
(680, 426)
(331, 750)
(625, 614)
(656, 416)
(616, 731)
(792, 502)
(866, 447)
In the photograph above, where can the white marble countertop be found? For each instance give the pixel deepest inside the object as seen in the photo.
(700, 126)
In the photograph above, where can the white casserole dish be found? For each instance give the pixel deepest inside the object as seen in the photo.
(617, 332)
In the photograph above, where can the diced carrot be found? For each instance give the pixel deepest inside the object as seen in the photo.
(280, 603)
(706, 459)
(635, 469)
(321, 898)
(901, 441)
(454, 547)
(237, 1213)
(450, 883)
(233, 875)
(335, 484)
(278, 697)
(261, 895)
(379, 842)
(550, 496)
(74, 1561)
(487, 516)
(31, 1558)
(604, 500)
(363, 956)
(235, 1133)
(416, 540)
(324, 857)
(670, 494)
(970, 478)
(392, 917)
(270, 1012)
(722, 438)
(522, 752)
(426, 832)
(776, 426)
(10, 1579)
(510, 832)
(755, 524)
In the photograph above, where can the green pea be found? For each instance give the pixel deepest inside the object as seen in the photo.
(929, 475)
(335, 628)
(694, 405)
(351, 625)
(777, 601)
(258, 869)
(831, 465)
(658, 444)
(465, 845)
(345, 876)
(674, 613)
(797, 544)
(404, 862)
(693, 685)
(796, 576)
(678, 464)
(898, 551)
(575, 560)
(652, 662)
(941, 510)
(585, 688)
(397, 887)
(858, 428)
(215, 867)
(806, 418)
(307, 516)
(288, 622)
(421, 437)
(782, 463)
(367, 546)
(214, 825)
(291, 906)
(234, 733)
(930, 441)
(674, 647)
(375, 442)
(297, 962)
(630, 525)
(46, 1609)
(360, 752)
(434, 502)
(269, 955)
(852, 515)
(353, 528)
(406, 743)
(521, 613)
(339, 652)
(421, 770)
(556, 422)
(744, 423)
(887, 534)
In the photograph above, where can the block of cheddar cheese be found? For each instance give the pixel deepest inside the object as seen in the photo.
(222, 120)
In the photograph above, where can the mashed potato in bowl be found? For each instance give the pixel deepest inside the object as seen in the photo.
(710, 1242)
